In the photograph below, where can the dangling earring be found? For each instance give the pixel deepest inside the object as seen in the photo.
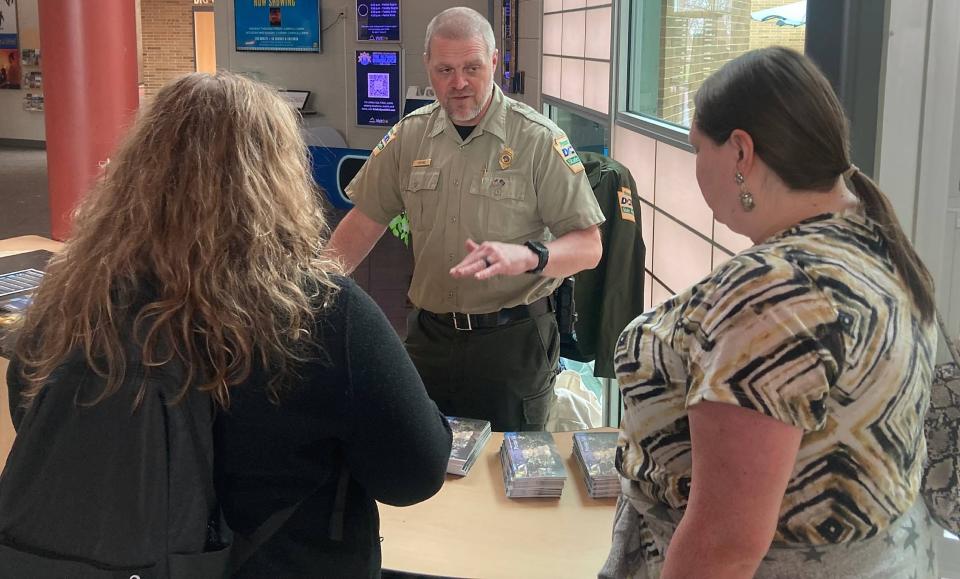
(746, 198)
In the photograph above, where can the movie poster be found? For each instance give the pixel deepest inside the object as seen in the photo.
(10, 71)
(277, 25)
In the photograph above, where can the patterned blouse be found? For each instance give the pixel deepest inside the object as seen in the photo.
(813, 328)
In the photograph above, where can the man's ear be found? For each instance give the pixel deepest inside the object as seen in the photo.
(742, 143)
(496, 57)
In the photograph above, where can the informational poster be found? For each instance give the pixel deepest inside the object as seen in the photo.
(378, 20)
(277, 25)
(10, 72)
(378, 88)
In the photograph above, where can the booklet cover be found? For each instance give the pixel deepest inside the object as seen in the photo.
(533, 455)
(470, 435)
(598, 451)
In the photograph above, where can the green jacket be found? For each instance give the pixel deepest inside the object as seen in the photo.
(610, 296)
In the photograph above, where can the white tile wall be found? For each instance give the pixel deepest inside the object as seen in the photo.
(596, 88)
(550, 84)
(677, 191)
(571, 80)
(598, 33)
(680, 257)
(552, 33)
(574, 34)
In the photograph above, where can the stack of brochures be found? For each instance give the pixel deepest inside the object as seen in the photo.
(532, 467)
(596, 454)
(470, 435)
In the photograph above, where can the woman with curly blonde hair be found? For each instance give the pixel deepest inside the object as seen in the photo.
(202, 249)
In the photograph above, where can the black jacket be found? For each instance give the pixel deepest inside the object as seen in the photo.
(358, 422)
(355, 428)
(609, 296)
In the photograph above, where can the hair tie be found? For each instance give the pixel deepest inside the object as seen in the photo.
(851, 171)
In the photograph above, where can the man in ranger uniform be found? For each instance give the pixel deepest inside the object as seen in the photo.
(500, 211)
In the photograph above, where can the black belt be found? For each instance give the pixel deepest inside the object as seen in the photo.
(492, 320)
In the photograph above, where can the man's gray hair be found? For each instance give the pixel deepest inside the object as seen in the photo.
(460, 23)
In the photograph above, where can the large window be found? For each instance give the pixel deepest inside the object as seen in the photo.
(674, 45)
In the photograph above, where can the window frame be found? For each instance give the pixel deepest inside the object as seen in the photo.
(846, 38)
(652, 127)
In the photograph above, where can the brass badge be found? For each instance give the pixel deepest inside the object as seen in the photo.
(506, 158)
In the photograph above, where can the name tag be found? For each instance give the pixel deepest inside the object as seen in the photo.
(422, 162)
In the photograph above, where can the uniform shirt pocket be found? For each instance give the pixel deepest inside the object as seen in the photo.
(507, 205)
(421, 197)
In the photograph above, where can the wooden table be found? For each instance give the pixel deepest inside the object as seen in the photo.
(471, 529)
(13, 246)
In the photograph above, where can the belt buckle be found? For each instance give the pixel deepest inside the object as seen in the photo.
(456, 323)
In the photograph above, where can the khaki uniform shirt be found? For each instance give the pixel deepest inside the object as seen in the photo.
(515, 178)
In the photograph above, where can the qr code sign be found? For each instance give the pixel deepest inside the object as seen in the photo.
(378, 85)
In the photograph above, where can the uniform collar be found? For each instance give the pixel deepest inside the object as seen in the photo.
(494, 121)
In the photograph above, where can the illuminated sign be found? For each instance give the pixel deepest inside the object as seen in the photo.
(378, 21)
(277, 25)
(378, 88)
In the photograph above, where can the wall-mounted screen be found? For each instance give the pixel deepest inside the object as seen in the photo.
(277, 25)
(378, 20)
(378, 88)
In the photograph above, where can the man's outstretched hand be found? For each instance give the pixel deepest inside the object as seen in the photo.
(490, 258)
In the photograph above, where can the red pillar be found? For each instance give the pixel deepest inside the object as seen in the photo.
(90, 93)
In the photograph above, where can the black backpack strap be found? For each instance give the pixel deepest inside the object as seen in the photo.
(204, 467)
(244, 547)
(339, 506)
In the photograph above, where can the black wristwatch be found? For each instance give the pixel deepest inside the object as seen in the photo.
(543, 254)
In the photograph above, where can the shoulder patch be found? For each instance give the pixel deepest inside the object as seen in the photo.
(626, 205)
(569, 155)
(390, 136)
(395, 129)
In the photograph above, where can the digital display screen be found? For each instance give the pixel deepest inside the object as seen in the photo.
(378, 21)
(277, 25)
(378, 88)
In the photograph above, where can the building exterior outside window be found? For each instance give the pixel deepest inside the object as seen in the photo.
(676, 44)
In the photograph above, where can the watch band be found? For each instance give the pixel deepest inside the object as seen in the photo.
(543, 255)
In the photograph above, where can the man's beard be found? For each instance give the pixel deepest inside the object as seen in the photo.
(474, 111)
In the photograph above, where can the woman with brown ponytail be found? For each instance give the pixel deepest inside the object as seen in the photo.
(774, 410)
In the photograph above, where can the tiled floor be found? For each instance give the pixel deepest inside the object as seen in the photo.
(24, 209)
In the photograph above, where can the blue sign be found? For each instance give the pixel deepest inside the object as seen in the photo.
(378, 88)
(378, 20)
(277, 25)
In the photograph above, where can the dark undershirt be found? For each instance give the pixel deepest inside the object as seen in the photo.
(464, 131)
